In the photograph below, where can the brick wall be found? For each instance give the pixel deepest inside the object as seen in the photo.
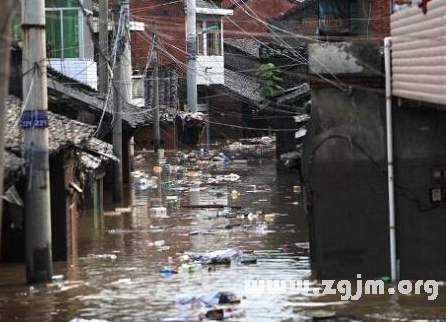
(380, 19)
(171, 31)
(237, 25)
(303, 19)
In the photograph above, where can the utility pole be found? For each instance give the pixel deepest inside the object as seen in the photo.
(103, 46)
(156, 96)
(122, 94)
(35, 135)
(208, 123)
(191, 38)
(6, 8)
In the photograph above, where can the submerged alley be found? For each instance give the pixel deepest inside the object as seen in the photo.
(222, 160)
(144, 264)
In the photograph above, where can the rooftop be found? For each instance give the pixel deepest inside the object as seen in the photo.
(207, 4)
(63, 132)
(62, 87)
(249, 46)
(242, 85)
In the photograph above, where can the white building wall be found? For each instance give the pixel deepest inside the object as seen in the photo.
(84, 71)
(210, 70)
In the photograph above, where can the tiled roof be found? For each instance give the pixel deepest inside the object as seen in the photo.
(63, 131)
(295, 93)
(248, 89)
(242, 85)
(101, 148)
(248, 46)
(90, 162)
(206, 4)
(62, 86)
(136, 115)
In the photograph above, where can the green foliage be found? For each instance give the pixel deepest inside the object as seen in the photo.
(16, 30)
(270, 83)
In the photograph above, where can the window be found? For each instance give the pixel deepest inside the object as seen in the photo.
(62, 28)
(334, 16)
(213, 33)
(209, 38)
(200, 38)
(61, 3)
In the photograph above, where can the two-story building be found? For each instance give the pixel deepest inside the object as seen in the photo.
(170, 21)
(344, 163)
(70, 45)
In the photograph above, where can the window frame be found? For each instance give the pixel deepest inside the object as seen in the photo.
(330, 24)
(80, 32)
(202, 37)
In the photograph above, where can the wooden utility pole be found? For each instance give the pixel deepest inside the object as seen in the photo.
(35, 134)
(103, 46)
(6, 7)
(122, 94)
(191, 39)
(156, 96)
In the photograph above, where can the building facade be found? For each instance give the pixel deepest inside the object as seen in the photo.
(344, 153)
(70, 47)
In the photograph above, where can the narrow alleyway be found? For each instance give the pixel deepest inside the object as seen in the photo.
(115, 275)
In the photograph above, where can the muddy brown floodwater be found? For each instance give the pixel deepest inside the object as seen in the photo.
(115, 274)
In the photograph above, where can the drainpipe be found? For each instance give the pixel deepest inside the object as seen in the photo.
(391, 179)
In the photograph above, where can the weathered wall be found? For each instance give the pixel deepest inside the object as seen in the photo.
(345, 173)
(65, 204)
(226, 109)
(344, 170)
(420, 140)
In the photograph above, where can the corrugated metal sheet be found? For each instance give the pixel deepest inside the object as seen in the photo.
(419, 53)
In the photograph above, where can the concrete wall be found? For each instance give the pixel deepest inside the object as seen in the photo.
(420, 140)
(210, 70)
(344, 171)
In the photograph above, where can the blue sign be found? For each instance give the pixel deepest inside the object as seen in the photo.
(34, 119)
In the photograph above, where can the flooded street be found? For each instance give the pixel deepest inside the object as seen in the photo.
(115, 274)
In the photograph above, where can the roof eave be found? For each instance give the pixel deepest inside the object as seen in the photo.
(215, 12)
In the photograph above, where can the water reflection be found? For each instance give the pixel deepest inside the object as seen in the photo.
(113, 274)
